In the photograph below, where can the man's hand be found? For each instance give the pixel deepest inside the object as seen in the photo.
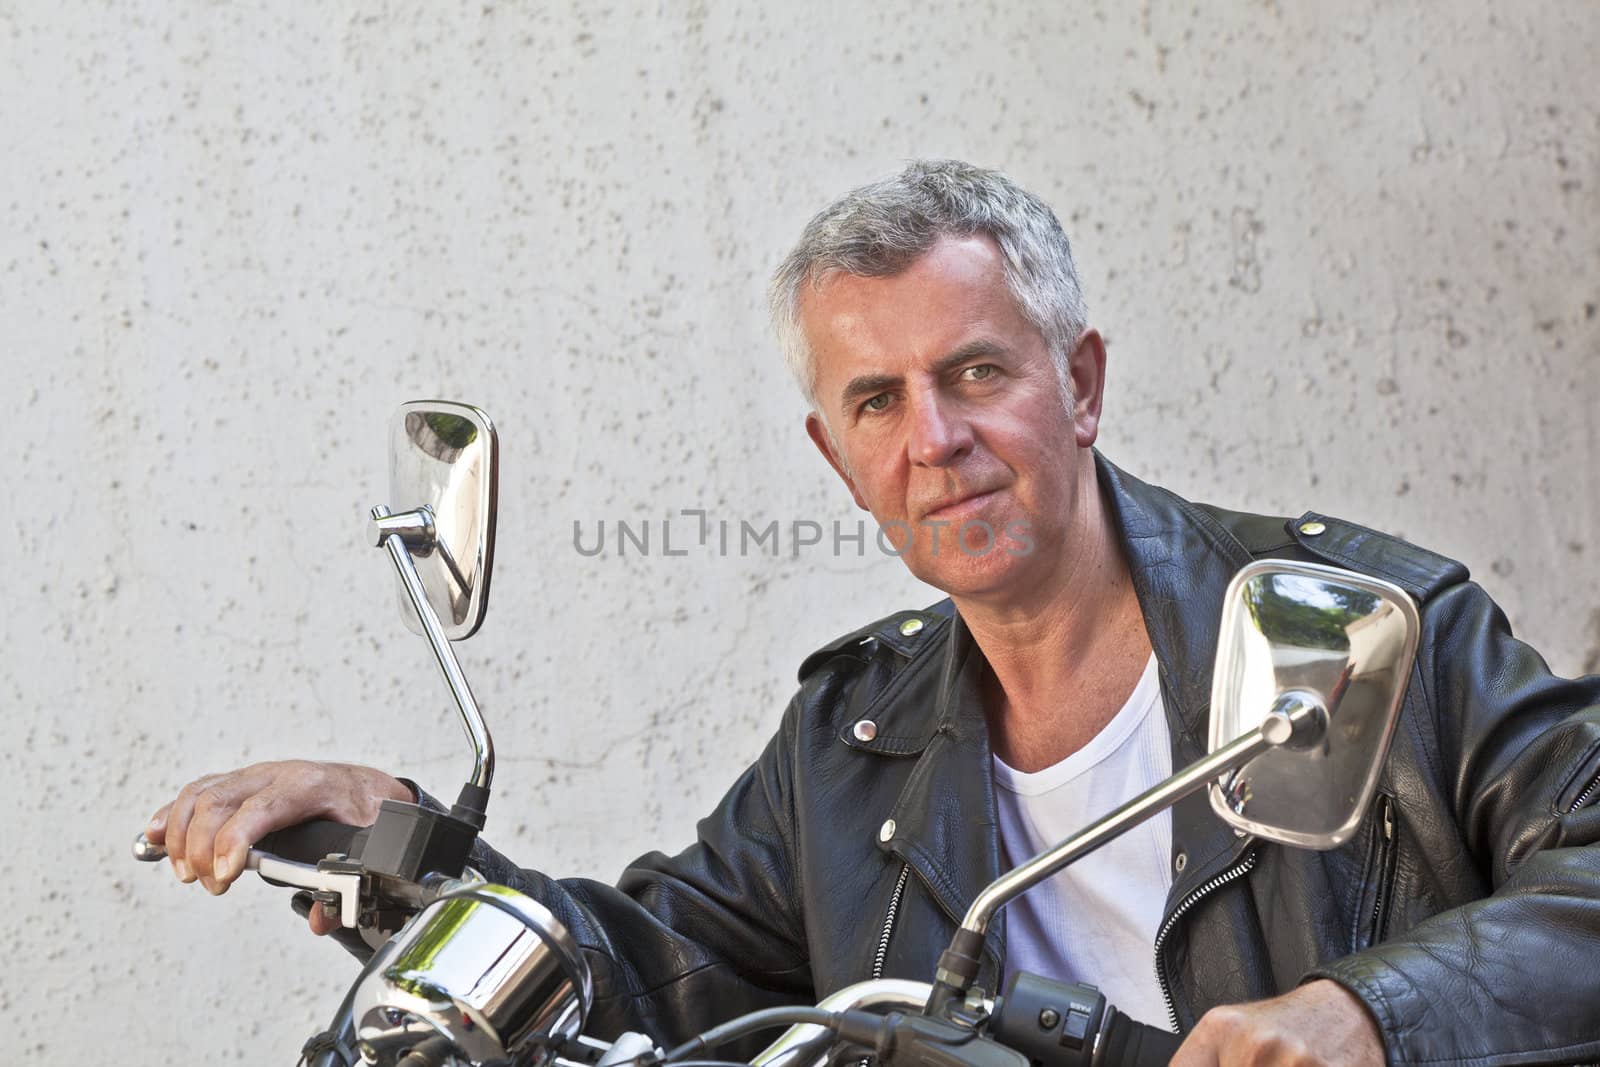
(208, 830)
(1318, 1023)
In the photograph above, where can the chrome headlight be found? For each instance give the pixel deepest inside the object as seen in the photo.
(486, 968)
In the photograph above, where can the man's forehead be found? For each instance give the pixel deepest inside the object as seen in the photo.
(972, 261)
(950, 295)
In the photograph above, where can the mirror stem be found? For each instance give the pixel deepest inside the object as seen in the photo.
(392, 532)
(1294, 718)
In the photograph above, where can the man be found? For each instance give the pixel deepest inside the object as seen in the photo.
(935, 322)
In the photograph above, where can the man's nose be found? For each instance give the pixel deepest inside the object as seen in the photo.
(938, 432)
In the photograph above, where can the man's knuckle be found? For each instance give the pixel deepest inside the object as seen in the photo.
(210, 801)
(263, 803)
(1224, 1019)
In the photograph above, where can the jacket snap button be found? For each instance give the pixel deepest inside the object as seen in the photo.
(911, 627)
(886, 831)
(1311, 529)
(865, 730)
(1179, 862)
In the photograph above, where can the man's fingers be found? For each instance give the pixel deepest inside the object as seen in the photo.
(1197, 1050)
(201, 808)
(176, 835)
(1315, 1024)
(213, 806)
(320, 923)
(256, 816)
(155, 831)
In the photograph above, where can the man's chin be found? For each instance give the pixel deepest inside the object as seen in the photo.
(974, 576)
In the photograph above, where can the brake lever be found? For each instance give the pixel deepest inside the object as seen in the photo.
(346, 885)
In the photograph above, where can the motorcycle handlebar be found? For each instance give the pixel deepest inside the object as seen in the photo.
(310, 841)
(1127, 1042)
(307, 842)
(1061, 1024)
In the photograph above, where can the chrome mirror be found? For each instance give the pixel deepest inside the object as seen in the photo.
(1337, 643)
(443, 465)
(1311, 668)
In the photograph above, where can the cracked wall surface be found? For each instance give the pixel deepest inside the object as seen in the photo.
(1345, 257)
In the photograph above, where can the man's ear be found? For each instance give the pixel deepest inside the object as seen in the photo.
(1087, 370)
(819, 437)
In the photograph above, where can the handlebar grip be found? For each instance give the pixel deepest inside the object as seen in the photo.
(1127, 1042)
(310, 841)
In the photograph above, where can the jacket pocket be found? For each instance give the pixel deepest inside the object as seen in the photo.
(1379, 884)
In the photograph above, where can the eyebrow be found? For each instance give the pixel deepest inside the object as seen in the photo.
(867, 385)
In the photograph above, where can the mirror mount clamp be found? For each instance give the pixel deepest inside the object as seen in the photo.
(1298, 720)
(415, 528)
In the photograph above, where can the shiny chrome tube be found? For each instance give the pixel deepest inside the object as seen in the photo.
(393, 532)
(796, 1049)
(1295, 719)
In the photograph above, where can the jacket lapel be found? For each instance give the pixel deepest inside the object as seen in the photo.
(945, 822)
(1182, 561)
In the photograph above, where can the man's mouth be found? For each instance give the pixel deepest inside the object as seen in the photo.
(957, 509)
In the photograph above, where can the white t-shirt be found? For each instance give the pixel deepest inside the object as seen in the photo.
(1095, 921)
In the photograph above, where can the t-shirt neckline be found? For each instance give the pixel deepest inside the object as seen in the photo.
(1146, 694)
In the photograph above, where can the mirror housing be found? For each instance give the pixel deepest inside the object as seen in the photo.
(444, 464)
(1339, 642)
(1311, 667)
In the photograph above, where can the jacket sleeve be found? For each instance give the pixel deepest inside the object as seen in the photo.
(684, 942)
(1514, 977)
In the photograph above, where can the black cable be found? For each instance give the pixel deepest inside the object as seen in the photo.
(430, 1052)
(320, 1048)
(745, 1025)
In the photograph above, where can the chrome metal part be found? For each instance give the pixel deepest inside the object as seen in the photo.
(416, 528)
(443, 471)
(299, 875)
(471, 717)
(488, 969)
(795, 1047)
(1158, 798)
(1297, 635)
(627, 1048)
(304, 876)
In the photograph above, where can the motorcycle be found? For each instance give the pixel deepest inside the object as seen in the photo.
(457, 971)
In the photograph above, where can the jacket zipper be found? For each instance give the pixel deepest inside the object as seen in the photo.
(1240, 868)
(1380, 892)
(888, 922)
(883, 939)
(1583, 797)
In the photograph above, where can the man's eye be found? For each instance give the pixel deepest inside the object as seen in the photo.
(877, 403)
(980, 372)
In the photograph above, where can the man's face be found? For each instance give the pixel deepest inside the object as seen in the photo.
(948, 421)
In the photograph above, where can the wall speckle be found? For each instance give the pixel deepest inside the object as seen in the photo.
(1346, 257)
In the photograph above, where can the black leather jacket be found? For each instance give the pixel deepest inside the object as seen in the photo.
(1465, 912)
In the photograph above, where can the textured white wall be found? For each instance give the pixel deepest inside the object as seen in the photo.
(1345, 256)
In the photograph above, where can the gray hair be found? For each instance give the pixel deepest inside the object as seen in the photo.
(880, 229)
